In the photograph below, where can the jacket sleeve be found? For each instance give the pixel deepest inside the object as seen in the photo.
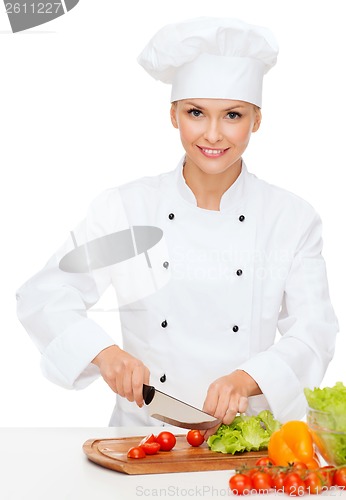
(308, 328)
(53, 304)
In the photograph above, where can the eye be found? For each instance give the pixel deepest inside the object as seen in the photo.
(233, 115)
(195, 112)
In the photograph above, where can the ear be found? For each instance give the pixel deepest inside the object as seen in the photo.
(258, 119)
(173, 113)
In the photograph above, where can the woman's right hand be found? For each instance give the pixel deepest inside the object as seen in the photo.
(124, 374)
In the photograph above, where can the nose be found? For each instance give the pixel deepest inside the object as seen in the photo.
(213, 132)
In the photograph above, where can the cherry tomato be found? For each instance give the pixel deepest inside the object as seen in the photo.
(150, 448)
(261, 482)
(278, 480)
(240, 484)
(313, 483)
(339, 478)
(265, 464)
(150, 438)
(327, 474)
(136, 452)
(294, 485)
(194, 438)
(300, 468)
(251, 472)
(166, 440)
(265, 461)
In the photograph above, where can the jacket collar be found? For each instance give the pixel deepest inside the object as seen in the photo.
(229, 200)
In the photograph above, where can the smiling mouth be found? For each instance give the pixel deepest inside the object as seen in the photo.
(212, 152)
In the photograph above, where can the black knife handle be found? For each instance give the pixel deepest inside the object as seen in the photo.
(148, 393)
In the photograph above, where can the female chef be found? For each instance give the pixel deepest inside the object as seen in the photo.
(207, 260)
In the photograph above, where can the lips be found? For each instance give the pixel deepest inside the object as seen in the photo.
(212, 153)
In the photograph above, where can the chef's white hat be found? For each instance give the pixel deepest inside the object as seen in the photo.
(216, 58)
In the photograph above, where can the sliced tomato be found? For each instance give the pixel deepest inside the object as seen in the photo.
(150, 448)
(150, 438)
(136, 452)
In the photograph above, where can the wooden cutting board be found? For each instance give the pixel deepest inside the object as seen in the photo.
(112, 454)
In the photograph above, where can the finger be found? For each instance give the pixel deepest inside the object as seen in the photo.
(211, 401)
(209, 432)
(225, 404)
(127, 384)
(137, 385)
(243, 404)
(229, 416)
(146, 376)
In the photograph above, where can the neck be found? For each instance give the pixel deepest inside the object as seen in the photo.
(209, 188)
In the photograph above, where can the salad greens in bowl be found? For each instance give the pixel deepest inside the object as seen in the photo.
(326, 418)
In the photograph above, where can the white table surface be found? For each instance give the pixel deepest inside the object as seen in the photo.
(49, 464)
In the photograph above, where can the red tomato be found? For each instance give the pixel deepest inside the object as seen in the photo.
(265, 464)
(194, 438)
(251, 472)
(265, 461)
(136, 452)
(262, 482)
(313, 483)
(339, 478)
(294, 485)
(166, 440)
(278, 480)
(150, 448)
(150, 438)
(327, 474)
(300, 468)
(240, 484)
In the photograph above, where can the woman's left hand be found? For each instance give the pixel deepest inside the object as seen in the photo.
(228, 396)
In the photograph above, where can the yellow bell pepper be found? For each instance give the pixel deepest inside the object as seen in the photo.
(293, 443)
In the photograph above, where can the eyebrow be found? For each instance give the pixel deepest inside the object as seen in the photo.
(236, 106)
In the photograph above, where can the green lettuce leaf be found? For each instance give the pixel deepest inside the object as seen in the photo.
(331, 402)
(244, 434)
(329, 399)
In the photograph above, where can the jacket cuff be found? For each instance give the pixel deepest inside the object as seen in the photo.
(279, 385)
(67, 359)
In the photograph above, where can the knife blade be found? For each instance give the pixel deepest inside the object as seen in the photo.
(175, 412)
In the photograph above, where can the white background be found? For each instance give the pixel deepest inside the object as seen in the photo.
(78, 115)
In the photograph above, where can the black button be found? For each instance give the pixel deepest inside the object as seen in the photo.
(163, 378)
(235, 328)
(164, 324)
(165, 265)
(239, 272)
(242, 218)
(171, 216)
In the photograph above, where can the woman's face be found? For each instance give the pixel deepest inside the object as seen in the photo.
(214, 132)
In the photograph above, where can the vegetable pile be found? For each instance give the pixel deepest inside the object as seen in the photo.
(244, 434)
(293, 480)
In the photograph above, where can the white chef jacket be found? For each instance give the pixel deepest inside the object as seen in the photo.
(220, 285)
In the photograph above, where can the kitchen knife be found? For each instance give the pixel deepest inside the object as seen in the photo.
(175, 412)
